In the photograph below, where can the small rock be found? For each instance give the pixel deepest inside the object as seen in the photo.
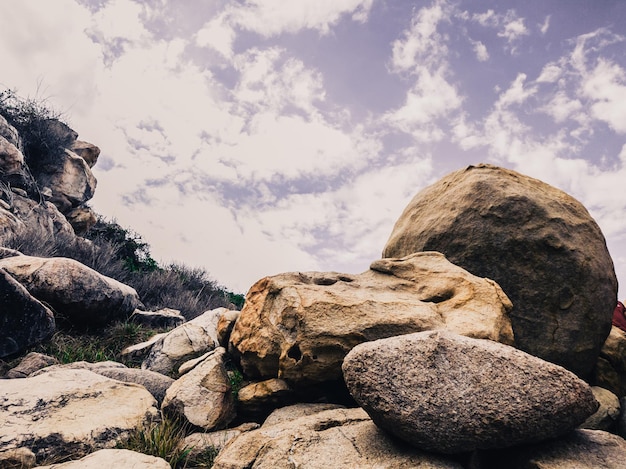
(32, 362)
(607, 414)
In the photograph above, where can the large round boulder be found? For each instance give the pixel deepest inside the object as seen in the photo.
(537, 242)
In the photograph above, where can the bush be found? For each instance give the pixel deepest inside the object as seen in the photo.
(123, 255)
(38, 126)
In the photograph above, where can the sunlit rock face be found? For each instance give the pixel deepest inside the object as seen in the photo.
(300, 326)
(540, 245)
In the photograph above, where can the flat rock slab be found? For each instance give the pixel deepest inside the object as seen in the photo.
(448, 393)
(67, 412)
(341, 438)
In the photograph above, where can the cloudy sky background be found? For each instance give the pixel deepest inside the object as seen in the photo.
(262, 136)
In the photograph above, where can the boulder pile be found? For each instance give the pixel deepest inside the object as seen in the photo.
(474, 343)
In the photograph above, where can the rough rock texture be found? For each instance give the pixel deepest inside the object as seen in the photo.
(140, 351)
(342, 438)
(32, 362)
(81, 218)
(27, 214)
(299, 326)
(290, 413)
(605, 418)
(80, 294)
(540, 245)
(581, 449)
(87, 151)
(610, 370)
(54, 414)
(259, 399)
(203, 396)
(24, 321)
(71, 181)
(155, 383)
(163, 318)
(189, 340)
(199, 442)
(21, 458)
(447, 393)
(225, 326)
(113, 458)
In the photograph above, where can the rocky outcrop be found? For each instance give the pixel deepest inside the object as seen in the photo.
(344, 438)
(203, 396)
(450, 394)
(80, 294)
(120, 458)
(299, 326)
(197, 443)
(24, 321)
(540, 245)
(67, 412)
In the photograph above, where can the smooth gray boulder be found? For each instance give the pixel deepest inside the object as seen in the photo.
(450, 394)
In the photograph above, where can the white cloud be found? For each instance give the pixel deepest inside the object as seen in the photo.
(606, 87)
(431, 98)
(545, 25)
(550, 73)
(509, 26)
(421, 44)
(480, 50)
(516, 93)
(274, 17)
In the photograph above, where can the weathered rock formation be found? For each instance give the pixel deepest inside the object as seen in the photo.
(299, 326)
(450, 394)
(540, 245)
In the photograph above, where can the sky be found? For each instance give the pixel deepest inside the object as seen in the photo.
(255, 137)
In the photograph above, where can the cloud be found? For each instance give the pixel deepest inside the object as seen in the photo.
(480, 50)
(509, 26)
(274, 17)
(421, 44)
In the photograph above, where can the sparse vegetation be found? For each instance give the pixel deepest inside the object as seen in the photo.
(32, 119)
(165, 439)
(123, 255)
